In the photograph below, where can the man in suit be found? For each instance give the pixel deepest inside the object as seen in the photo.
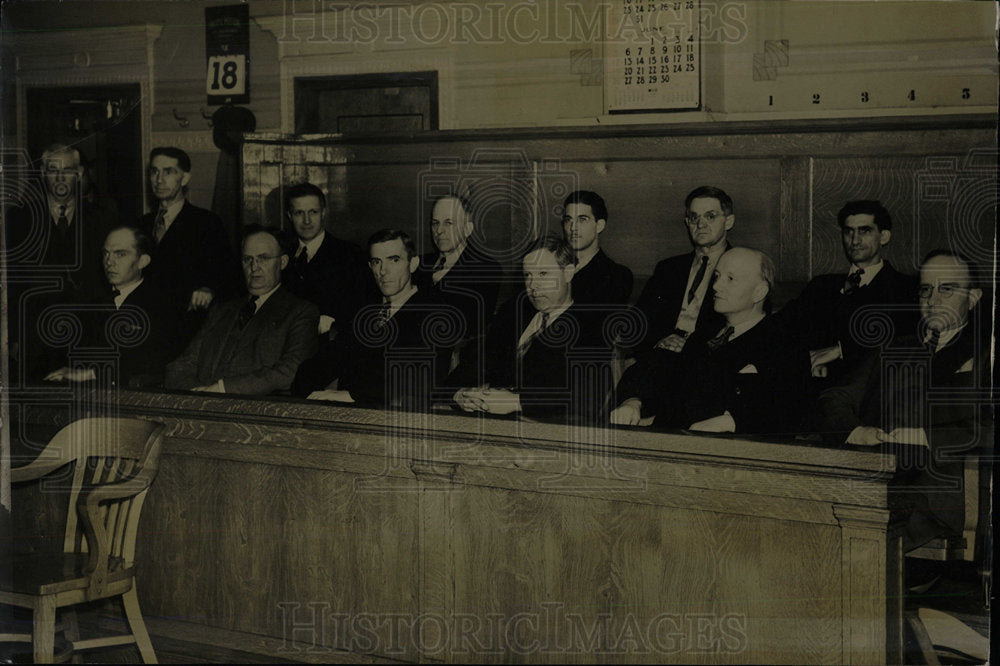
(254, 344)
(132, 318)
(823, 316)
(744, 377)
(926, 396)
(192, 262)
(546, 356)
(326, 271)
(390, 355)
(676, 300)
(597, 279)
(458, 273)
(54, 251)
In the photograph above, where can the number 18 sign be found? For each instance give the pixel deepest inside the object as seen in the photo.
(227, 47)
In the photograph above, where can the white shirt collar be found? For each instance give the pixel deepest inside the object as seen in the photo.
(868, 273)
(171, 212)
(311, 246)
(69, 208)
(263, 297)
(536, 322)
(399, 300)
(946, 336)
(123, 292)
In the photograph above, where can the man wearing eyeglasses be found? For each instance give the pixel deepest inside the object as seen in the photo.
(926, 396)
(677, 299)
(823, 315)
(251, 345)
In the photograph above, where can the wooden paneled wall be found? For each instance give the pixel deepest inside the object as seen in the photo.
(937, 176)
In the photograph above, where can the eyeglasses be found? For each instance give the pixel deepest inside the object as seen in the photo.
(946, 289)
(709, 217)
(260, 259)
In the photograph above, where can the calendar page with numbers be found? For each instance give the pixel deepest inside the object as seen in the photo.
(652, 56)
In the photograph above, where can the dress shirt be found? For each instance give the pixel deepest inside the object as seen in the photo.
(867, 274)
(69, 209)
(124, 291)
(945, 337)
(399, 300)
(311, 246)
(536, 323)
(744, 326)
(171, 212)
(263, 297)
(688, 317)
(450, 260)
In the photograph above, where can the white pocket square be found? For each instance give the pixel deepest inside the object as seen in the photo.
(966, 367)
(749, 369)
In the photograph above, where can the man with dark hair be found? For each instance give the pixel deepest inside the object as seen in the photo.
(390, 356)
(823, 316)
(598, 279)
(459, 273)
(744, 377)
(545, 355)
(925, 395)
(54, 244)
(251, 345)
(134, 320)
(326, 271)
(193, 262)
(677, 298)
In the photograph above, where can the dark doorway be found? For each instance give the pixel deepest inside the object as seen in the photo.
(105, 124)
(366, 104)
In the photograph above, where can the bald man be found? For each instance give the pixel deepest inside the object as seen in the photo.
(745, 377)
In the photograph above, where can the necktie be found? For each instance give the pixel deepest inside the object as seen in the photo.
(853, 281)
(438, 267)
(382, 317)
(160, 224)
(299, 264)
(247, 313)
(62, 224)
(933, 338)
(522, 348)
(115, 293)
(698, 277)
(721, 339)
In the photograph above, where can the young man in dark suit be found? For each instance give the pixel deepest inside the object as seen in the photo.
(598, 279)
(54, 258)
(677, 299)
(823, 315)
(254, 344)
(926, 396)
(546, 356)
(328, 272)
(390, 355)
(132, 319)
(744, 377)
(193, 261)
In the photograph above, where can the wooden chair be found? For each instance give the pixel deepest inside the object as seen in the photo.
(114, 462)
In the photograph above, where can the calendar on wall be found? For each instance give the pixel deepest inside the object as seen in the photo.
(652, 56)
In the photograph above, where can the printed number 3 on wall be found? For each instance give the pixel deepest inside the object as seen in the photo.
(226, 75)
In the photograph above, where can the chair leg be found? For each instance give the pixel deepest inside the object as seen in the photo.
(131, 603)
(72, 631)
(43, 632)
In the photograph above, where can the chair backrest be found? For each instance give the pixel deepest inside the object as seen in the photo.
(115, 461)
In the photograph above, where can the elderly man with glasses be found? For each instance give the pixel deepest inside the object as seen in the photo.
(254, 344)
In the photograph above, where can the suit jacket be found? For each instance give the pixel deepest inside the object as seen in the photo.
(400, 363)
(143, 331)
(66, 266)
(471, 286)
(260, 359)
(564, 375)
(661, 299)
(907, 386)
(602, 282)
(758, 377)
(336, 280)
(821, 315)
(194, 253)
